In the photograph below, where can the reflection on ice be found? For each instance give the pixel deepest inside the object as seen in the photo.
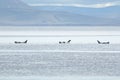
(66, 47)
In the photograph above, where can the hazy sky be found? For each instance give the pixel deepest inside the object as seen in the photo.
(70, 1)
(76, 3)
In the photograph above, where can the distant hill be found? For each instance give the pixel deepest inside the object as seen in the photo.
(108, 12)
(12, 4)
(17, 13)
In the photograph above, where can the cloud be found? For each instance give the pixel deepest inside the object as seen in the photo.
(102, 5)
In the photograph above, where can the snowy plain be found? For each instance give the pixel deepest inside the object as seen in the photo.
(43, 58)
(52, 35)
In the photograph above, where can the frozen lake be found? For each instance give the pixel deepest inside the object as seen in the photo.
(43, 58)
(59, 65)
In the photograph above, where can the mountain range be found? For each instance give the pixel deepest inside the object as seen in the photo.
(18, 13)
(107, 12)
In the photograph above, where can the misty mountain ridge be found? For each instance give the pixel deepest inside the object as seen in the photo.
(108, 12)
(12, 4)
(17, 13)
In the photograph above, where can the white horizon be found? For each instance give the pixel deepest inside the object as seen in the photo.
(102, 5)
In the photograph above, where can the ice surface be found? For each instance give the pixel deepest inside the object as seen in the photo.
(60, 64)
(44, 58)
(60, 78)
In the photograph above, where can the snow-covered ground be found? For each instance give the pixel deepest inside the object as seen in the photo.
(58, 31)
(43, 58)
(52, 35)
